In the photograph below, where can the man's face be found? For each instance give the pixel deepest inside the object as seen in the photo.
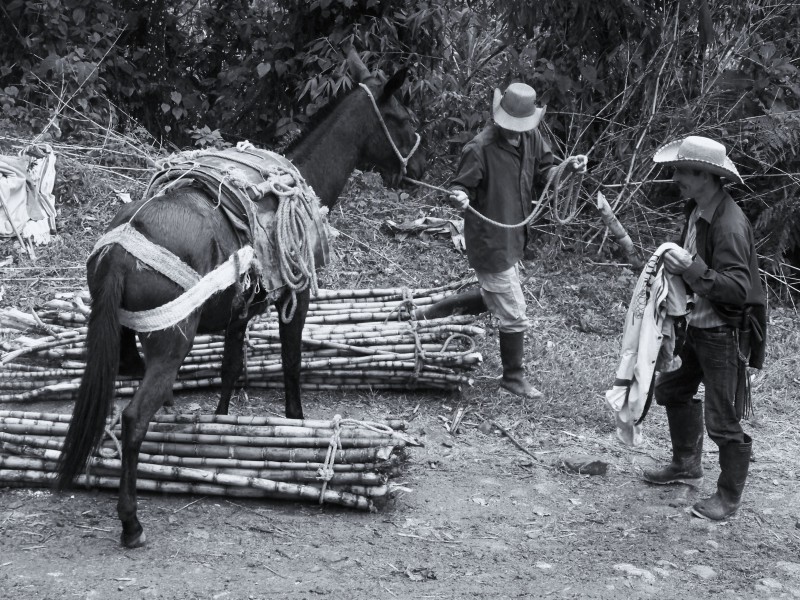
(690, 181)
(512, 137)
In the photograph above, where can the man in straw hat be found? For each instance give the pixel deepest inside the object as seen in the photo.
(726, 328)
(496, 176)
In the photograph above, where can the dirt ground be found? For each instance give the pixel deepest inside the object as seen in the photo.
(476, 517)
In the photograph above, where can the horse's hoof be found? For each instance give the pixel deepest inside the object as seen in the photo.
(136, 541)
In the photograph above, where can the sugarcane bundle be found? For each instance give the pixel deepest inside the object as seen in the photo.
(353, 339)
(337, 461)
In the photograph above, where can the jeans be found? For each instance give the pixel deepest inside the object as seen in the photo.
(711, 356)
(502, 293)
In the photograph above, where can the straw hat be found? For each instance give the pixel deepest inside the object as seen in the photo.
(701, 153)
(515, 109)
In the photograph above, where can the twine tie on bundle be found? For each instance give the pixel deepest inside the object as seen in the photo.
(325, 472)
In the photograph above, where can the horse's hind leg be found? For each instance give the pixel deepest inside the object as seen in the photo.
(291, 355)
(232, 363)
(165, 351)
(130, 362)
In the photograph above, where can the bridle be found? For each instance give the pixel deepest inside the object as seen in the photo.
(403, 160)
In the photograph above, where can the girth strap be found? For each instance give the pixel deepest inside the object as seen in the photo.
(172, 313)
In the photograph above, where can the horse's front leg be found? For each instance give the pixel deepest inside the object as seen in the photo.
(232, 363)
(291, 356)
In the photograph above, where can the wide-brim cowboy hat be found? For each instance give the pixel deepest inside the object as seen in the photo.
(697, 152)
(515, 109)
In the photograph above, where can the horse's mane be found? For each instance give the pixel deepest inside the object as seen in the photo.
(319, 116)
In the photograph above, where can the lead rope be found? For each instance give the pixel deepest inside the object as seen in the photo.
(403, 160)
(554, 177)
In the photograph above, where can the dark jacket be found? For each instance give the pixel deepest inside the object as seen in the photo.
(725, 271)
(500, 181)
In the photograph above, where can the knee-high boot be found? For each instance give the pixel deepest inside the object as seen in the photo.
(512, 348)
(734, 462)
(686, 431)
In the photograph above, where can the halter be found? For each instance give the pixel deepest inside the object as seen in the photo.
(403, 160)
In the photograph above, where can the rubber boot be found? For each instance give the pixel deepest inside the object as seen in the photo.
(734, 462)
(512, 347)
(686, 431)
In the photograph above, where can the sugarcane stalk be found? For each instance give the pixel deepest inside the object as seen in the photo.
(268, 453)
(282, 491)
(44, 479)
(390, 465)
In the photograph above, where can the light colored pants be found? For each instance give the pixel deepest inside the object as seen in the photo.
(503, 295)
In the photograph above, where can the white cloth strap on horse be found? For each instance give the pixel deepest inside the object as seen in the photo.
(154, 256)
(403, 159)
(175, 311)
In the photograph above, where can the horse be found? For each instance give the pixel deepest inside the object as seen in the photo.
(368, 128)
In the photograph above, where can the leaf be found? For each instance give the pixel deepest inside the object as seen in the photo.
(176, 97)
(78, 15)
(263, 68)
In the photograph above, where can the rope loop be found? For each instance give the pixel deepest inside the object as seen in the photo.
(563, 211)
(403, 159)
(325, 472)
(292, 222)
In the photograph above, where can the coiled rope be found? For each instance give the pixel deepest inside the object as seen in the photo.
(563, 209)
(292, 222)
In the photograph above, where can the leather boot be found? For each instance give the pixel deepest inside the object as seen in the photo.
(512, 347)
(734, 462)
(686, 431)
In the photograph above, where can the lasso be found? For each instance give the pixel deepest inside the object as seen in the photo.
(563, 211)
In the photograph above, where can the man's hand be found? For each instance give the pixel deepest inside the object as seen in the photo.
(677, 261)
(459, 199)
(577, 164)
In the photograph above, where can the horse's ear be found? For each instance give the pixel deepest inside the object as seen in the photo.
(394, 84)
(358, 69)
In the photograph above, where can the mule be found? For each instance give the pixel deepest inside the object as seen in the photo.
(367, 130)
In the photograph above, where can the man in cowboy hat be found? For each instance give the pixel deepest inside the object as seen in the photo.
(496, 176)
(726, 328)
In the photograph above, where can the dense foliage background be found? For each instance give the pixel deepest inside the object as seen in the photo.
(619, 78)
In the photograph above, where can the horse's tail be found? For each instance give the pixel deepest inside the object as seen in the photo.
(95, 394)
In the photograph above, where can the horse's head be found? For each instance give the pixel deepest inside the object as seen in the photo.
(392, 145)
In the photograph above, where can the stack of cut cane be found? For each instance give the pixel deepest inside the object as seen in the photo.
(340, 461)
(353, 339)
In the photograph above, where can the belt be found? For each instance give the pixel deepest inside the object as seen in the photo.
(717, 329)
